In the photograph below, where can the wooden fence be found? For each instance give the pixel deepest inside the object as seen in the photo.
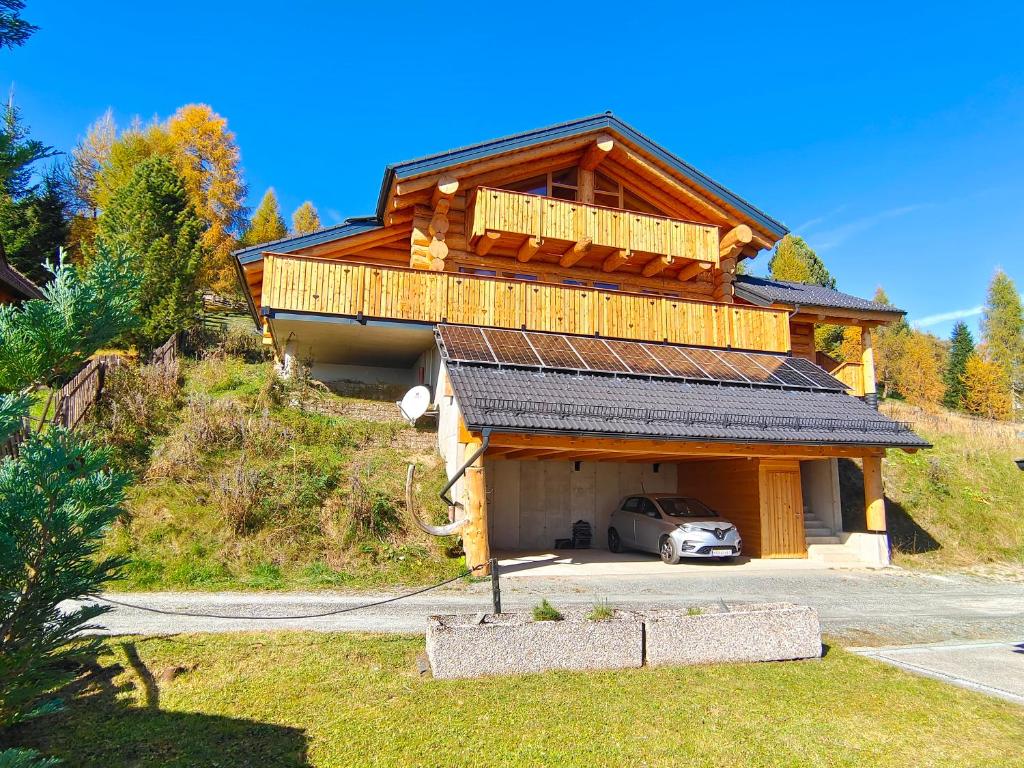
(78, 395)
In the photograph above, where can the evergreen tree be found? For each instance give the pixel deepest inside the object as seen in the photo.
(267, 223)
(960, 350)
(152, 217)
(1002, 328)
(796, 262)
(57, 496)
(18, 154)
(14, 30)
(986, 389)
(305, 219)
(33, 228)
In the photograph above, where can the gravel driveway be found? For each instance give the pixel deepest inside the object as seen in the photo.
(868, 608)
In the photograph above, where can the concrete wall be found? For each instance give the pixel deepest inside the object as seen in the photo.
(532, 503)
(819, 480)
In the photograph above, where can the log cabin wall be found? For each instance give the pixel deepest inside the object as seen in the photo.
(802, 338)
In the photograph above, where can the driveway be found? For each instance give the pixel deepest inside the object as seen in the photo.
(876, 608)
(993, 668)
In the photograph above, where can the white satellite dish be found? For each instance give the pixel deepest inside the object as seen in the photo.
(415, 403)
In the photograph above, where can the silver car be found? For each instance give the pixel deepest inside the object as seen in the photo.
(673, 526)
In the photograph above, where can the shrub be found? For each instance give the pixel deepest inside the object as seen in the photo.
(245, 343)
(372, 510)
(544, 611)
(238, 492)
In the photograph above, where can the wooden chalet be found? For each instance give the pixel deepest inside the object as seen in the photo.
(570, 296)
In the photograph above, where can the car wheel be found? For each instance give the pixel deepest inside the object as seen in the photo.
(614, 542)
(669, 550)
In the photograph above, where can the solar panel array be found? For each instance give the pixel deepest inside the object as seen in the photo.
(585, 353)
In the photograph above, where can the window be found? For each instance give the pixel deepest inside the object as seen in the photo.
(648, 509)
(610, 193)
(685, 507)
(563, 184)
(631, 504)
(475, 271)
(607, 286)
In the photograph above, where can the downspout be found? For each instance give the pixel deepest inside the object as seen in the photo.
(450, 528)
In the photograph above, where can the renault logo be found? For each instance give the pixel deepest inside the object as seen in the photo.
(719, 533)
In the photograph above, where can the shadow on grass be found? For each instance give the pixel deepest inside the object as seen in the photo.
(905, 535)
(102, 727)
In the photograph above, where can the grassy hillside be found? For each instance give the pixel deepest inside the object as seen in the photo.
(243, 482)
(959, 504)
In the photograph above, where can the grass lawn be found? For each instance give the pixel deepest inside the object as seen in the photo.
(292, 699)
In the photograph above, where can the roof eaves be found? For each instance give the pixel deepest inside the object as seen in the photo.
(19, 282)
(439, 161)
(760, 295)
(348, 228)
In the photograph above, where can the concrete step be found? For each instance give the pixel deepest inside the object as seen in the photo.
(833, 554)
(813, 540)
(818, 530)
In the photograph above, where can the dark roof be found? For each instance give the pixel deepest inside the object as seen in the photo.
(17, 282)
(763, 291)
(518, 400)
(607, 121)
(347, 228)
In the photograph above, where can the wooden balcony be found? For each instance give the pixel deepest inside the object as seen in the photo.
(563, 222)
(331, 287)
(852, 375)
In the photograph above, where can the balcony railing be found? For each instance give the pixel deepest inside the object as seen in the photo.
(331, 287)
(548, 218)
(852, 375)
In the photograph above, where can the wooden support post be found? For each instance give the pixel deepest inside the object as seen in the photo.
(692, 270)
(576, 253)
(867, 370)
(616, 260)
(874, 494)
(529, 247)
(444, 191)
(475, 539)
(486, 242)
(724, 277)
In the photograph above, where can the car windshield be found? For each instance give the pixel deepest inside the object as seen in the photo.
(680, 506)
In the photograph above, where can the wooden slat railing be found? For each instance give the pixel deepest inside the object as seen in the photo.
(852, 375)
(331, 287)
(549, 218)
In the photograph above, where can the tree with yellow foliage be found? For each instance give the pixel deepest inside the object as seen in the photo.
(919, 375)
(267, 223)
(987, 389)
(305, 219)
(206, 155)
(850, 349)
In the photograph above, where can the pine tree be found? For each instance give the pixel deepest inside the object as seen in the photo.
(14, 30)
(1002, 329)
(919, 375)
(35, 227)
(305, 219)
(267, 223)
(152, 217)
(796, 262)
(986, 389)
(960, 350)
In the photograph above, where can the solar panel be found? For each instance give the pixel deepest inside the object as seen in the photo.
(676, 362)
(555, 351)
(713, 366)
(596, 354)
(817, 376)
(787, 375)
(466, 343)
(637, 357)
(585, 353)
(511, 347)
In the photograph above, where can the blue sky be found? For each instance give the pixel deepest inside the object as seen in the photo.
(891, 138)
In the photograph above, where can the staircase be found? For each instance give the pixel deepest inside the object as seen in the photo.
(825, 546)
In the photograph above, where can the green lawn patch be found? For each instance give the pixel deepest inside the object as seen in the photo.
(291, 699)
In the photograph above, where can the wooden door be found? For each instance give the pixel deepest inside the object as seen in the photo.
(782, 510)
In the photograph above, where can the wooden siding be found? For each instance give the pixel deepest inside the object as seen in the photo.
(802, 335)
(549, 218)
(295, 283)
(730, 487)
(852, 375)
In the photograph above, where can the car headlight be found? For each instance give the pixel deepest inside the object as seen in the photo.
(687, 527)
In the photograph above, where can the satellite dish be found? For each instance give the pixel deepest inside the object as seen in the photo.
(415, 403)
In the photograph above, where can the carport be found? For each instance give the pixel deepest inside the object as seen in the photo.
(554, 446)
